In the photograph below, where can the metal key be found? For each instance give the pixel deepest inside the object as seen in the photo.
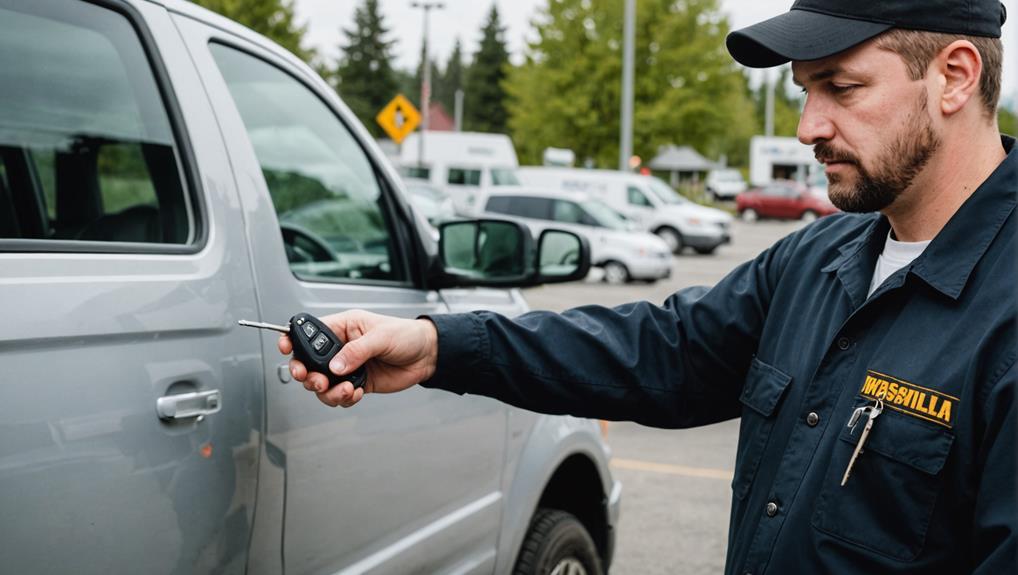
(871, 412)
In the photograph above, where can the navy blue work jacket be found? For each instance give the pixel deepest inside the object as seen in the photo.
(790, 343)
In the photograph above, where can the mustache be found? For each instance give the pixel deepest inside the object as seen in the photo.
(825, 153)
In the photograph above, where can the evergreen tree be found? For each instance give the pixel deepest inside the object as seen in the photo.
(485, 98)
(687, 89)
(273, 19)
(452, 80)
(365, 78)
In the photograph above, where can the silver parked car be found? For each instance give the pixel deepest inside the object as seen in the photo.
(165, 172)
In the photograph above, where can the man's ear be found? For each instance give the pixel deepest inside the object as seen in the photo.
(960, 67)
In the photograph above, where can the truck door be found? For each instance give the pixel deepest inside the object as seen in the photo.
(122, 276)
(402, 482)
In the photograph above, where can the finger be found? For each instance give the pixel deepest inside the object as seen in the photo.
(341, 395)
(285, 345)
(316, 382)
(297, 370)
(356, 352)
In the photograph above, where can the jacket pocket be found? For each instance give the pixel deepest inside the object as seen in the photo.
(762, 392)
(888, 500)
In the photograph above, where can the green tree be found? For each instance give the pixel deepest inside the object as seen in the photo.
(786, 106)
(452, 80)
(365, 78)
(485, 93)
(688, 90)
(1007, 121)
(273, 19)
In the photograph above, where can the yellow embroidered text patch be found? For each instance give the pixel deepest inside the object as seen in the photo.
(915, 400)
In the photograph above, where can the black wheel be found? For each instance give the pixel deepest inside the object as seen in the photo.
(672, 238)
(705, 251)
(557, 544)
(615, 273)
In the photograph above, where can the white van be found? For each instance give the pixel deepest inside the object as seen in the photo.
(724, 184)
(624, 251)
(648, 201)
(460, 163)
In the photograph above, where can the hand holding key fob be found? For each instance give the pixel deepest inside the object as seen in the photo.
(314, 345)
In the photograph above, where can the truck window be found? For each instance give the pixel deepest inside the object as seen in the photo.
(464, 177)
(323, 186)
(636, 197)
(87, 149)
(419, 172)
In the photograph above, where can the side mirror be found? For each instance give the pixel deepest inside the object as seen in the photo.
(562, 257)
(485, 253)
(499, 253)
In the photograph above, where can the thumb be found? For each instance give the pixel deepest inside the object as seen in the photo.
(356, 352)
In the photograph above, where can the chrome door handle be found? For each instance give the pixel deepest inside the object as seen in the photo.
(185, 405)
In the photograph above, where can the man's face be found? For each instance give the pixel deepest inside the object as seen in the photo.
(868, 122)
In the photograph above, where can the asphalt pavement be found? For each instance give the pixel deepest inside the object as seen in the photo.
(676, 496)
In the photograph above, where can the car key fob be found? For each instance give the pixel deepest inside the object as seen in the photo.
(314, 345)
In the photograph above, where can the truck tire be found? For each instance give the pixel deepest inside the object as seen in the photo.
(557, 544)
(673, 238)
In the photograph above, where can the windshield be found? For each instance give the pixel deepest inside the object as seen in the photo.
(604, 215)
(665, 193)
(504, 177)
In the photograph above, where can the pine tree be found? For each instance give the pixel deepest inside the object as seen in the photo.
(485, 105)
(365, 78)
(273, 19)
(452, 80)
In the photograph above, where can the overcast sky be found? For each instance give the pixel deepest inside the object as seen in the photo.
(463, 19)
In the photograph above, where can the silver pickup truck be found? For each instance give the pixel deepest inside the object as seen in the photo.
(165, 172)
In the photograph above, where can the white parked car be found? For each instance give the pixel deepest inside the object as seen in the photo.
(648, 201)
(725, 184)
(624, 251)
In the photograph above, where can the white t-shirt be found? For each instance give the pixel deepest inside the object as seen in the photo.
(895, 256)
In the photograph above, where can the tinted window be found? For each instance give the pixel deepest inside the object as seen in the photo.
(422, 173)
(569, 212)
(464, 177)
(86, 144)
(504, 177)
(498, 204)
(637, 198)
(324, 188)
(527, 207)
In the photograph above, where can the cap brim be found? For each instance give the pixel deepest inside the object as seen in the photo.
(798, 35)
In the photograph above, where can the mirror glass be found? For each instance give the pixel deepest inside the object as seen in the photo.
(559, 254)
(488, 250)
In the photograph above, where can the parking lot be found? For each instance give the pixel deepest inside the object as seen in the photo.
(676, 484)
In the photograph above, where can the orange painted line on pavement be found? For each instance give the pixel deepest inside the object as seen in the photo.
(638, 465)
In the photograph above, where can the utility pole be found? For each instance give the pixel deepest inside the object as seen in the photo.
(459, 110)
(427, 7)
(629, 36)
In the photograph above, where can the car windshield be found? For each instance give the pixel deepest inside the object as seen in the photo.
(665, 193)
(605, 216)
(504, 177)
(428, 192)
(728, 176)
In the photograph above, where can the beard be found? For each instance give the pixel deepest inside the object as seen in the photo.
(885, 178)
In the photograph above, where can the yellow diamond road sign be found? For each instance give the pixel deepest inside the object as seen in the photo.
(398, 118)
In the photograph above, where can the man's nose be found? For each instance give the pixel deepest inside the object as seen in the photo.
(815, 124)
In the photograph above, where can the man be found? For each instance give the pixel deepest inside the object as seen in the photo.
(898, 318)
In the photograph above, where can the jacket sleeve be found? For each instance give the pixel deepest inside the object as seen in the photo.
(995, 534)
(680, 364)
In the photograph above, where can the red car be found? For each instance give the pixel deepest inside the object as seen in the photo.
(783, 199)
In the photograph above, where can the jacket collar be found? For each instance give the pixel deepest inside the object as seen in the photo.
(948, 261)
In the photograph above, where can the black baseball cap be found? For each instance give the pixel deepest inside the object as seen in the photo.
(814, 29)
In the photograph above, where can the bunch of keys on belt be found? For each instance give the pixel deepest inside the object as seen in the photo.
(314, 345)
(871, 412)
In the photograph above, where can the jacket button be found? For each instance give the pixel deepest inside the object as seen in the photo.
(772, 509)
(844, 343)
(812, 419)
